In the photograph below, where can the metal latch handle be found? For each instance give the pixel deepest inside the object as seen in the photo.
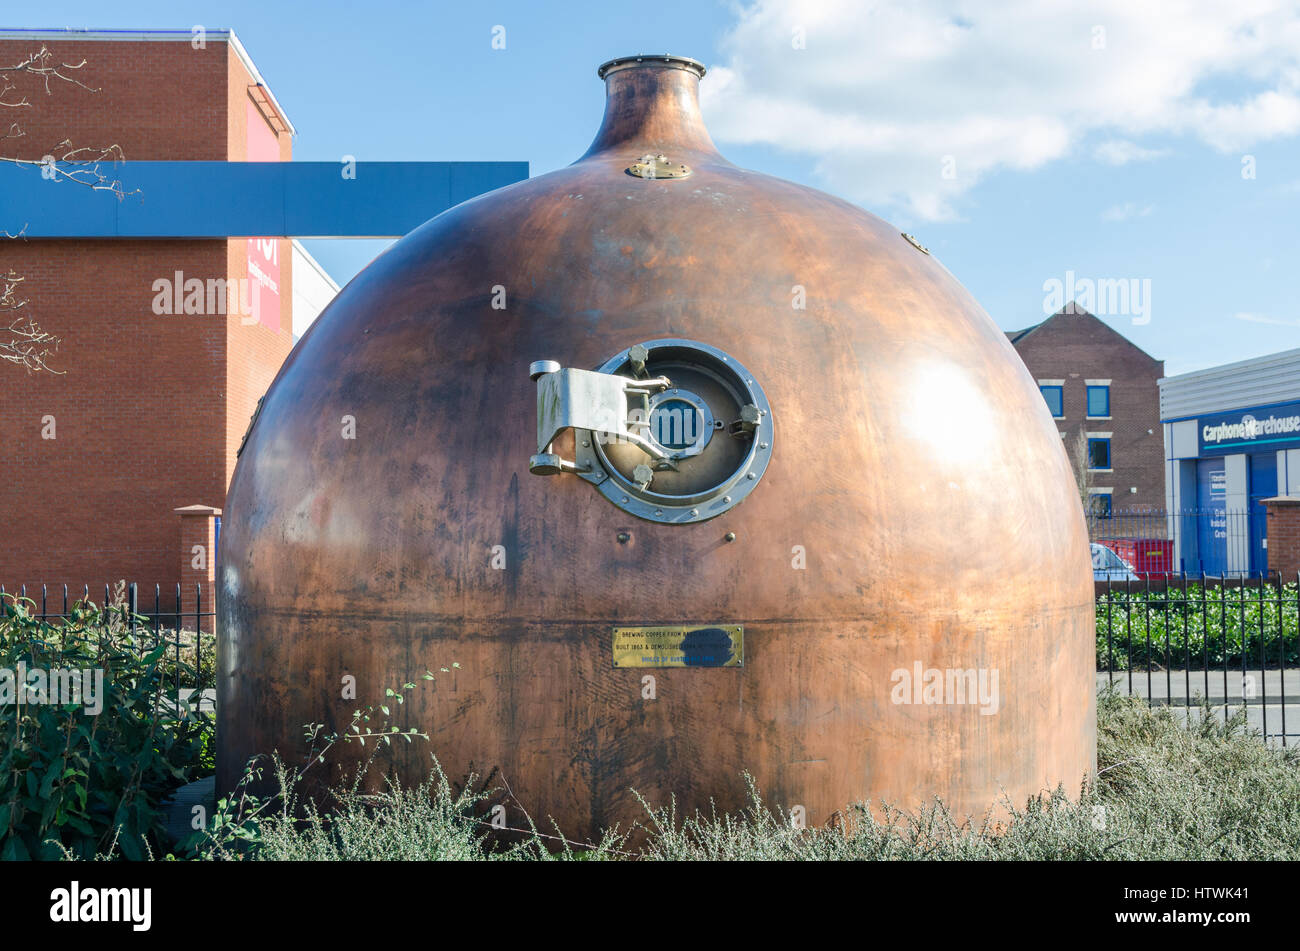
(569, 398)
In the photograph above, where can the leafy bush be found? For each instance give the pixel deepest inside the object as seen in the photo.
(190, 660)
(1199, 626)
(80, 785)
(428, 822)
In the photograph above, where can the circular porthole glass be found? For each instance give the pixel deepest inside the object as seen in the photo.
(709, 431)
(680, 422)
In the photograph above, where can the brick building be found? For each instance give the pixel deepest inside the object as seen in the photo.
(152, 395)
(1103, 390)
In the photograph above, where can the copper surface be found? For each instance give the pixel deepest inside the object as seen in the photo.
(917, 477)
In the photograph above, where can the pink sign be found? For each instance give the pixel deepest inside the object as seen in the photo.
(264, 280)
(263, 253)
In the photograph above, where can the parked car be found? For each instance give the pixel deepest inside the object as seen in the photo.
(1108, 566)
(1146, 556)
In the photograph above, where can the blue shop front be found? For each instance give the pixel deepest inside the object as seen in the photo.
(1228, 446)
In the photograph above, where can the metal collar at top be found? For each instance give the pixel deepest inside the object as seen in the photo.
(652, 59)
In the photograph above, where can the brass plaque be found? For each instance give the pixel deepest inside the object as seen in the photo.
(684, 645)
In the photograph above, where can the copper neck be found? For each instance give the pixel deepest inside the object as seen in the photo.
(652, 104)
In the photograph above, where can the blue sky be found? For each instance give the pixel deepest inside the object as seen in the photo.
(1018, 145)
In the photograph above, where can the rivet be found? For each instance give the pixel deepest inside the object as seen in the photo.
(625, 500)
(762, 445)
(694, 512)
(585, 444)
(750, 475)
(659, 511)
(730, 536)
(726, 498)
(624, 538)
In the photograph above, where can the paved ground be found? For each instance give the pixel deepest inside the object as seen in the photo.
(207, 703)
(1267, 697)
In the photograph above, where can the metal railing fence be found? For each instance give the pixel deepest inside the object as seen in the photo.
(186, 625)
(1234, 642)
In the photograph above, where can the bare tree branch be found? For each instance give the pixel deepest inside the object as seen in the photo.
(80, 166)
(23, 341)
(27, 344)
(43, 65)
(1081, 465)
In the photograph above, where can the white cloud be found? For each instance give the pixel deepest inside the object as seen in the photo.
(1264, 319)
(909, 104)
(1121, 152)
(1126, 211)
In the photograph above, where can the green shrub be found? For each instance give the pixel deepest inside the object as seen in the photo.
(427, 822)
(80, 785)
(1198, 626)
(1163, 790)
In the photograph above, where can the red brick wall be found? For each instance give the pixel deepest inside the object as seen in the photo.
(151, 408)
(1079, 347)
(1284, 536)
(157, 100)
(139, 414)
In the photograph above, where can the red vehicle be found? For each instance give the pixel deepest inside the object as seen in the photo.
(1150, 557)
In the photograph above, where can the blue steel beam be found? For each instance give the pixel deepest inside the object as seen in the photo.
(246, 199)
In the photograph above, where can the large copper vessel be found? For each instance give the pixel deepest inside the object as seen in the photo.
(882, 502)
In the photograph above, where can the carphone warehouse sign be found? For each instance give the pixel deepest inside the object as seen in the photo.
(1250, 430)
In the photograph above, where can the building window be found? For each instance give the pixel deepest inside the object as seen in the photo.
(1099, 401)
(1055, 397)
(1098, 453)
(1100, 505)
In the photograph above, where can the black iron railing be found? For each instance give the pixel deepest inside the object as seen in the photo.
(1233, 641)
(186, 623)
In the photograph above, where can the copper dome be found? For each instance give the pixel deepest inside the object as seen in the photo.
(913, 513)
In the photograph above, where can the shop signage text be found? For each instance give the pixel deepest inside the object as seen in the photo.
(1250, 430)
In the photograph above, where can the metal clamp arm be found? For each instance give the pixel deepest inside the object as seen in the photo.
(568, 398)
